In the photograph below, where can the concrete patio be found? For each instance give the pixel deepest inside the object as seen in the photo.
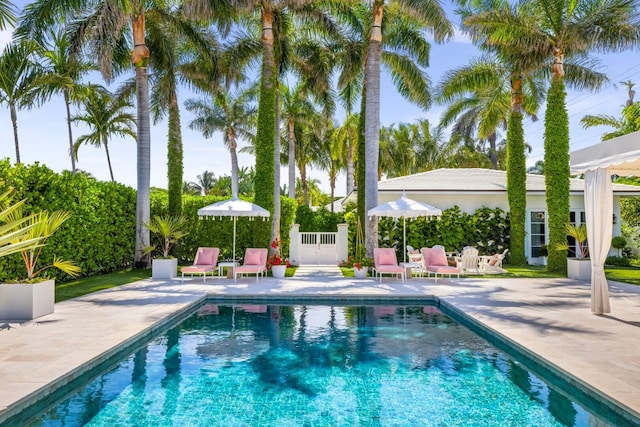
(550, 317)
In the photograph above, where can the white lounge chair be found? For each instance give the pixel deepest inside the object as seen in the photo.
(493, 263)
(469, 260)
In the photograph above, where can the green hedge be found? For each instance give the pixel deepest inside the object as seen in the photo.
(486, 229)
(99, 236)
(321, 220)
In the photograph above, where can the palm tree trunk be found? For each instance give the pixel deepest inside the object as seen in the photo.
(233, 149)
(516, 173)
(174, 158)
(14, 122)
(350, 168)
(303, 182)
(275, 221)
(264, 175)
(67, 104)
(372, 125)
(143, 200)
(292, 159)
(492, 150)
(105, 142)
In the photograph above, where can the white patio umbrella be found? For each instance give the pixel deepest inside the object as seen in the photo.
(234, 208)
(404, 208)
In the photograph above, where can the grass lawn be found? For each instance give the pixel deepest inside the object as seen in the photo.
(623, 274)
(86, 285)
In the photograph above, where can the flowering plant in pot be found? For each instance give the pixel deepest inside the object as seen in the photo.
(277, 263)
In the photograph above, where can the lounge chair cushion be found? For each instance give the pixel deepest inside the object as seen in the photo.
(206, 258)
(494, 259)
(252, 257)
(386, 258)
(438, 257)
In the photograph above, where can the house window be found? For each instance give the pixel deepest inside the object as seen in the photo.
(538, 232)
(571, 242)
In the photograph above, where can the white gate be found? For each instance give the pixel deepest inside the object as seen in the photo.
(318, 248)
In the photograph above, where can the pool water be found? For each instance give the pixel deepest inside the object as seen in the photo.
(294, 365)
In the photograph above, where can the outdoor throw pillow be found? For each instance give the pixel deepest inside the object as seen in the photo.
(386, 258)
(438, 257)
(252, 258)
(494, 259)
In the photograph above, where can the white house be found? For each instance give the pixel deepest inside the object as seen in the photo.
(471, 189)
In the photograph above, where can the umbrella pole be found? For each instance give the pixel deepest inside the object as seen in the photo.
(234, 239)
(404, 237)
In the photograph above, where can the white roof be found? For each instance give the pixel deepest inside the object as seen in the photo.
(620, 155)
(476, 180)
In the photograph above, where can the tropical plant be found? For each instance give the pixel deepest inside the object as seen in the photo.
(105, 115)
(579, 233)
(168, 230)
(43, 225)
(14, 230)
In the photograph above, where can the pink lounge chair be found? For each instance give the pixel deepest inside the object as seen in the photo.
(255, 262)
(435, 260)
(385, 262)
(206, 261)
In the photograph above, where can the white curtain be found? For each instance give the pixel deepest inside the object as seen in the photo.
(598, 201)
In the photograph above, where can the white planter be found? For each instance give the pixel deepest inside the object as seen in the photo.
(278, 270)
(164, 268)
(360, 273)
(26, 301)
(579, 269)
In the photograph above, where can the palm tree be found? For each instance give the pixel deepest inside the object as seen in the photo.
(108, 30)
(65, 69)
(404, 49)
(21, 83)
(347, 140)
(628, 123)
(296, 107)
(7, 14)
(230, 113)
(105, 115)
(571, 30)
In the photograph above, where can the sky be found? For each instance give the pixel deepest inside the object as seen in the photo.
(43, 134)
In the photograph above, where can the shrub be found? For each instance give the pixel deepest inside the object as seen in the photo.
(617, 260)
(100, 234)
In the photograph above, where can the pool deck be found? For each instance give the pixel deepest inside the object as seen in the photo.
(549, 317)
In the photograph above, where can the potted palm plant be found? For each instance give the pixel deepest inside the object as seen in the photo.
(578, 268)
(167, 231)
(30, 298)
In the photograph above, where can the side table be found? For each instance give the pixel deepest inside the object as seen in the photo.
(409, 266)
(231, 268)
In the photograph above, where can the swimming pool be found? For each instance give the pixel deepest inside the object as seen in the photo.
(291, 365)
